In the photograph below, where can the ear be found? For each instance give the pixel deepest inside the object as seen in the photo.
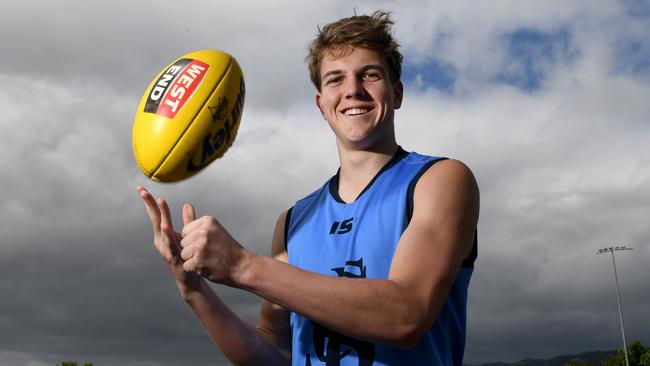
(318, 103)
(398, 92)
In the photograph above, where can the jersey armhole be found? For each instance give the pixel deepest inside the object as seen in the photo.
(467, 262)
(287, 220)
(411, 189)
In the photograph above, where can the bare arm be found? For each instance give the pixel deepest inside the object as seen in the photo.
(395, 311)
(242, 343)
(274, 319)
(398, 310)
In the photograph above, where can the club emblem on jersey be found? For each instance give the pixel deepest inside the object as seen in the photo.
(331, 347)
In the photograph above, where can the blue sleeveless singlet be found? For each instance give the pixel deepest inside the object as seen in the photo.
(328, 236)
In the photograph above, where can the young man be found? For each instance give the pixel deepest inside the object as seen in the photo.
(372, 268)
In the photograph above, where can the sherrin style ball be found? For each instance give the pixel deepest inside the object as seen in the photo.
(188, 116)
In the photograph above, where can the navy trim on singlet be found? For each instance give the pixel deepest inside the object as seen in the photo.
(411, 190)
(467, 262)
(287, 220)
(334, 182)
(399, 155)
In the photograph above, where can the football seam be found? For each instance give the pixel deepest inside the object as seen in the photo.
(137, 159)
(175, 145)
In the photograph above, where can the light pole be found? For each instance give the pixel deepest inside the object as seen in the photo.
(618, 294)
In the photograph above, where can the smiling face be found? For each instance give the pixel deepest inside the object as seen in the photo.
(358, 99)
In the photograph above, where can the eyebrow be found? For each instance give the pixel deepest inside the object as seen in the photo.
(363, 69)
(332, 72)
(373, 66)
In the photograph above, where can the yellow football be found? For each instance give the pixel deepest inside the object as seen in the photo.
(189, 115)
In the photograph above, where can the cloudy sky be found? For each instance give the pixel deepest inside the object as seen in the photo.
(547, 101)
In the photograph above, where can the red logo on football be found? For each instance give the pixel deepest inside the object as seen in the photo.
(175, 87)
(182, 88)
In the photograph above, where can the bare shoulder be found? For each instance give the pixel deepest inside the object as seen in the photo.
(446, 199)
(278, 247)
(449, 170)
(449, 178)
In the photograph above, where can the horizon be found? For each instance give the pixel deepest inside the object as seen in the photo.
(547, 103)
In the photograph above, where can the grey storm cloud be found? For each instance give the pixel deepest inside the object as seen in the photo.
(562, 166)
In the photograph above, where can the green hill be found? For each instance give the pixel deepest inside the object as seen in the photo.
(595, 358)
(638, 354)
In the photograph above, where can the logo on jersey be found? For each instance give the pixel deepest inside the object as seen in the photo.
(331, 347)
(352, 269)
(342, 227)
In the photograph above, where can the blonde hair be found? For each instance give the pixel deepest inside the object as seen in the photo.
(372, 32)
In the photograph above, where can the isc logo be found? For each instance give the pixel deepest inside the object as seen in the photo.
(342, 227)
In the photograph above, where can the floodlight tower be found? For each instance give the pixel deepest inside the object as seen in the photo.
(618, 293)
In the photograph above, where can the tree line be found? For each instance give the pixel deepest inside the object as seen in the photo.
(637, 354)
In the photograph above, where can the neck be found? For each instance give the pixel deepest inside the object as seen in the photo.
(359, 167)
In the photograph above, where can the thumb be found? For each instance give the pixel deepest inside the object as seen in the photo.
(188, 214)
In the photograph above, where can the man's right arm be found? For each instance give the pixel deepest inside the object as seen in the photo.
(274, 319)
(241, 343)
(267, 344)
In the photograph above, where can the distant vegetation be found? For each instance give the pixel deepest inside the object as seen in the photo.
(637, 353)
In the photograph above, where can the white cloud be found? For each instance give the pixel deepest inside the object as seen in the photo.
(563, 169)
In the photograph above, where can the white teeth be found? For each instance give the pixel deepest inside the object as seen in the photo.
(355, 111)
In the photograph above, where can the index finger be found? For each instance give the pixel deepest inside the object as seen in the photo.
(152, 208)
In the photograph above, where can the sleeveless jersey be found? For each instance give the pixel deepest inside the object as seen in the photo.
(357, 240)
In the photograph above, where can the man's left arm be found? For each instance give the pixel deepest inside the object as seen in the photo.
(439, 237)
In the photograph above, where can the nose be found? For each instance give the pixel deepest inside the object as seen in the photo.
(354, 88)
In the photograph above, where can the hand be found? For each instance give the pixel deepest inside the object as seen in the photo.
(167, 241)
(210, 251)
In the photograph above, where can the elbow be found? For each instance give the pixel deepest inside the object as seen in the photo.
(407, 335)
(407, 329)
(409, 341)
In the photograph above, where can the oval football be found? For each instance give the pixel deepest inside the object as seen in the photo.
(189, 115)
